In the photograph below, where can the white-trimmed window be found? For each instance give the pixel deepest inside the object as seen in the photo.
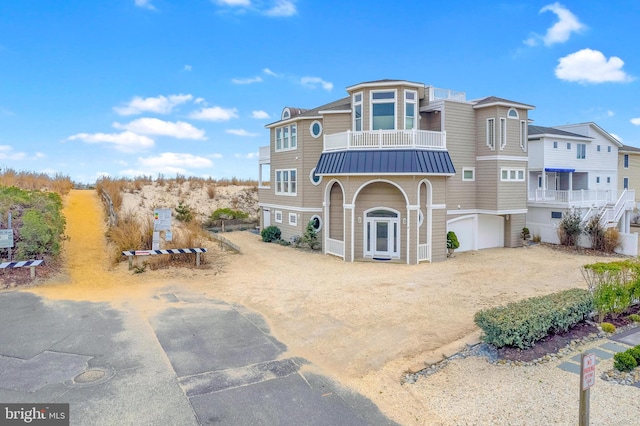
(608, 149)
(286, 114)
(316, 222)
(512, 113)
(383, 109)
(315, 129)
(523, 135)
(608, 179)
(581, 151)
(597, 179)
(314, 178)
(286, 138)
(625, 183)
(357, 112)
(410, 109)
(626, 161)
(512, 175)
(569, 145)
(293, 219)
(286, 182)
(598, 148)
(555, 144)
(503, 132)
(491, 133)
(277, 216)
(468, 174)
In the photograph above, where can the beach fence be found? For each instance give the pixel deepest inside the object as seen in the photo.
(31, 264)
(132, 253)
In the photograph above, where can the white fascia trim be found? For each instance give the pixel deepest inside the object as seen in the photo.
(438, 206)
(492, 212)
(335, 111)
(385, 84)
(502, 158)
(556, 137)
(433, 106)
(386, 174)
(291, 120)
(504, 104)
(292, 208)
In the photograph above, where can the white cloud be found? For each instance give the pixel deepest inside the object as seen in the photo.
(257, 79)
(215, 155)
(146, 4)
(610, 113)
(234, 3)
(282, 8)
(240, 132)
(559, 32)
(313, 82)
(214, 114)
(591, 66)
(259, 115)
(635, 121)
(125, 142)
(154, 126)
(249, 156)
(173, 159)
(7, 153)
(188, 67)
(269, 72)
(616, 136)
(160, 104)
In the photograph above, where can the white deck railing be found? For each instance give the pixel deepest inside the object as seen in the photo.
(385, 139)
(582, 196)
(611, 216)
(423, 252)
(264, 157)
(335, 247)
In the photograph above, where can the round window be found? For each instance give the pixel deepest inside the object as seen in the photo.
(316, 222)
(315, 129)
(315, 179)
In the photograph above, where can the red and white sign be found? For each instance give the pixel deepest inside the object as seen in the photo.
(588, 371)
(142, 252)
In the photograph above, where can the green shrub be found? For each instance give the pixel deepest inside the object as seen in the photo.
(310, 236)
(227, 213)
(184, 213)
(634, 317)
(624, 361)
(570, 228)
(452, 240)
(607, 327)
(635, 353)
(614, 285)
(270, 234)
(523, 323)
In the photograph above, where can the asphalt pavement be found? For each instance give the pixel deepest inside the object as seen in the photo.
(192, 361)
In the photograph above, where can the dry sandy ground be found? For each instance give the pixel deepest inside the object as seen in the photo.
(364, 324)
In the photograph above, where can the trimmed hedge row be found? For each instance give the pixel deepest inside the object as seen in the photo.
(523, 323)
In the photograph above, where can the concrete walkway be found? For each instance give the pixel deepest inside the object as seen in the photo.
(194, 361)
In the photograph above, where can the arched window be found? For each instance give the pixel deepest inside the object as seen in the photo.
(512, 113)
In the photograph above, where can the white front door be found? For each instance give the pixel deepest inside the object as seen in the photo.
(266, 218)
(381, 235)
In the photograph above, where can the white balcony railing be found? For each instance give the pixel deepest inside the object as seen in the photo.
(386, 139)
(423, 252)
(264, 156)
(335, 247)
(580, 197)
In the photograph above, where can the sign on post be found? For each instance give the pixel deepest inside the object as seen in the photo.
(587, 379)
(6, 238)
(162, 220)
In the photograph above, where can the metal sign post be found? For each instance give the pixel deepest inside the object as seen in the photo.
(587, 379)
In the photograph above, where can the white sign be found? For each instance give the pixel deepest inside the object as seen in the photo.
(6, 238)
(155, 242)
(588, 371)
(168, 236)
(162, 220)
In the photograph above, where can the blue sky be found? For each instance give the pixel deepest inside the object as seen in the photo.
(132, 87)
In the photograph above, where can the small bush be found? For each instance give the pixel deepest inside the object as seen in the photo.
(270, 234)
(607, 327)
(624, 361)
(452, 240)
(634, 317)
(310, 236)
(523, 323)
(612, 240)
(570, 228)
(227, 213)
(184, 213)
(635, 353)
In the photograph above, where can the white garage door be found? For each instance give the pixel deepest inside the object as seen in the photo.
(477, 232)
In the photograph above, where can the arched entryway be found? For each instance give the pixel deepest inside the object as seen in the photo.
(382, 233)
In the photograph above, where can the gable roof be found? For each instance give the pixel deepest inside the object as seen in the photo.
(496, 101)
(400, 161)
(541, 131)
(597, 128)
(340, 104)
(629, 149)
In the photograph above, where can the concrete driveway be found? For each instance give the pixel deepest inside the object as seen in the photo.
(187, 360)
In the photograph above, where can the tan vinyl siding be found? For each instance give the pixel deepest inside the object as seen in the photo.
(632, 172)
(288, 231)
(511, 195)
(439, 237)
(512, 229)
(430, 121)
(487, 185)
(459, 125)
(310, 149)
(335, 123)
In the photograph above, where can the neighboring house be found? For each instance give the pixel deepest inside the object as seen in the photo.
(629, 169)
(574, 168)
(385, 172)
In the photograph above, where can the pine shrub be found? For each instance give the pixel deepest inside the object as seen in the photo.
(270, 234)
(607, 327)
(624, 361)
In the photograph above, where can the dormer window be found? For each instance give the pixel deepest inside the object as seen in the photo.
(383, 110)
(512, 113)
(286, 114)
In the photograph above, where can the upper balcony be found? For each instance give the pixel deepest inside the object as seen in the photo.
(264, 157)
(385, 139)
(578, 198)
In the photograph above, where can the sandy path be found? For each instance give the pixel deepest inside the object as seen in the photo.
(363, 324)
